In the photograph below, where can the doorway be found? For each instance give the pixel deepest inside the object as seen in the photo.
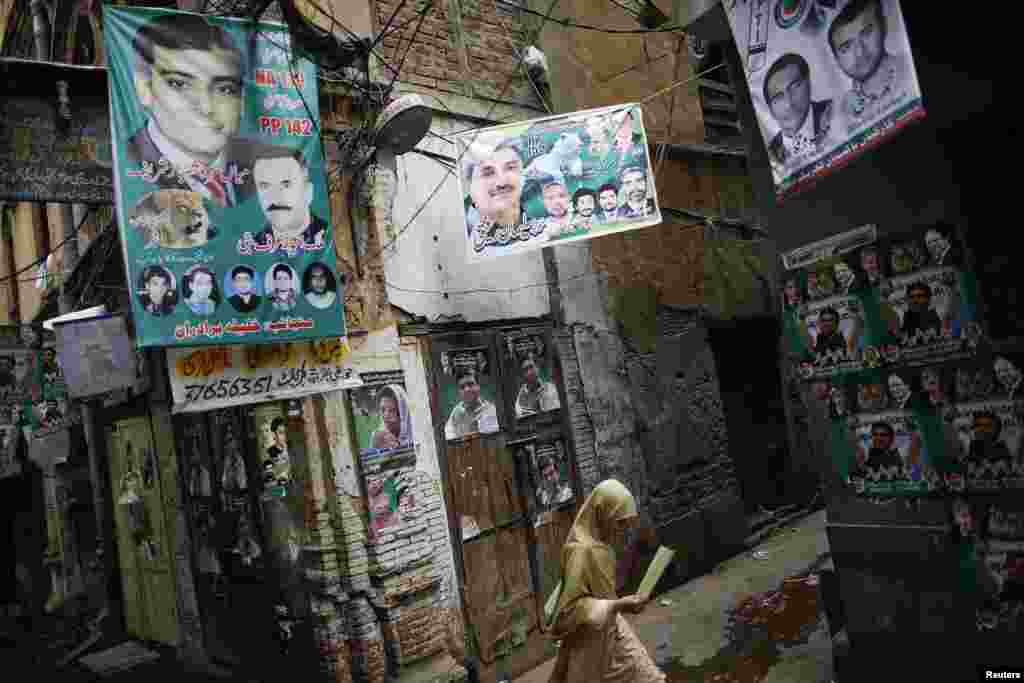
(222, 480)
(747, 365)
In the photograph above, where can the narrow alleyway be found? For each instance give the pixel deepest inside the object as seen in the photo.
(758, 618)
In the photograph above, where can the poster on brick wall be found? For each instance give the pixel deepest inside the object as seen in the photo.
(469, 392)
(219, 181)
(381, 412)
(554, 180)
(829, 81)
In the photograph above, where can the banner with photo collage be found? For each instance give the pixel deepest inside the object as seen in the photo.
(219, 181)
(383, 426)
(557, 179)
(887, 332)
(829, 81)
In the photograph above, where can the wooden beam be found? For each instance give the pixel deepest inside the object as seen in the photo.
(716, 86)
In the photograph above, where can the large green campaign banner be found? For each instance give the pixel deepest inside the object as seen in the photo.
(219, 180)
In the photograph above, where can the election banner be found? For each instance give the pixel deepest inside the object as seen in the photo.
(557, 179)
(382, 416)
(829, 81)
(220, 187)
(223, 376)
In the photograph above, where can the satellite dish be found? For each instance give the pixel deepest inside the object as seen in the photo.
(403, 123)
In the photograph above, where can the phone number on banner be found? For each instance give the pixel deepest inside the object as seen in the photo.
(291, 381)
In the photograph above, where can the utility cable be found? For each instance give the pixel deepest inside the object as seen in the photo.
(588, 27)
(53, 250)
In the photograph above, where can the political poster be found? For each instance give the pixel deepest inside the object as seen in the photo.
(554, 180)
(833, 334)
(381, 412)
(96, 355)
(219, 177)
(224, 376)
(529, 369)
(829, 81)
(469, 392)
(990, 436)
(891, 455)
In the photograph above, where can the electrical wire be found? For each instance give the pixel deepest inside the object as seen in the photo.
(53, 250)
(588, 27)
(545, 283)
(412, 41)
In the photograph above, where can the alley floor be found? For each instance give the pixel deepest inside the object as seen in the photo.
(757, 618)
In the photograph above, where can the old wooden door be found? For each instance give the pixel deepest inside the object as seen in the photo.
(512, 525)
(144, 485)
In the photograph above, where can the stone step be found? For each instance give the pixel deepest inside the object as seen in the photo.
(439, 668)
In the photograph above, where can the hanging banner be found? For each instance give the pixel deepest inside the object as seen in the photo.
(55, 133)
(221, 194)
(557, 179)
(96, 355)
(829, 81)
(223, 376)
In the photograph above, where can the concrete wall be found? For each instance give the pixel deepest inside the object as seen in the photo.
(426, 269)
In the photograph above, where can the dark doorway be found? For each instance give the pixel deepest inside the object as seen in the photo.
(746, 359)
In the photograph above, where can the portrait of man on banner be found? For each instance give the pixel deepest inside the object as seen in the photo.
(188, 77)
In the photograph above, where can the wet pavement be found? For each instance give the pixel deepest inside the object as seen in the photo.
(758, 618)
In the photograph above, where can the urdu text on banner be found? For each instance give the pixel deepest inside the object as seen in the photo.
(219, 178)
(557, 179)
(829, 80)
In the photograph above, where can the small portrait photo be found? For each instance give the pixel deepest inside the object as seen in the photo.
(900, 392)
(847, 277)
(940, 245)
(974, 381)
(199, 290)
(820, 283)
(172, 219)
(446, 363)
(552, 476)
(244, 288)
(282, 285)
(871, 261)
(906, 257)
(157, 291)
(31, 336)
(792, 291)
(936, 386)
(804, 123)
(838, 403)
(319, 287)
(1008, 376)
(871, 397)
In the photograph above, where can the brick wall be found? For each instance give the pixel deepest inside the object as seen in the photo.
(465, 47)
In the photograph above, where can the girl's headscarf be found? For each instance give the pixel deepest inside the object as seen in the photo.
(588, 561)
(405, 417)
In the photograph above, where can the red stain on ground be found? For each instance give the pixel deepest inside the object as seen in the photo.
(785, 614)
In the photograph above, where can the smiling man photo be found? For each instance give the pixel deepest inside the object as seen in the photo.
(495, 188)
(188, 78)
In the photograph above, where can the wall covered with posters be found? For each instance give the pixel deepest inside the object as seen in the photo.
(888, 331)
(395, 562)
(220, 185)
